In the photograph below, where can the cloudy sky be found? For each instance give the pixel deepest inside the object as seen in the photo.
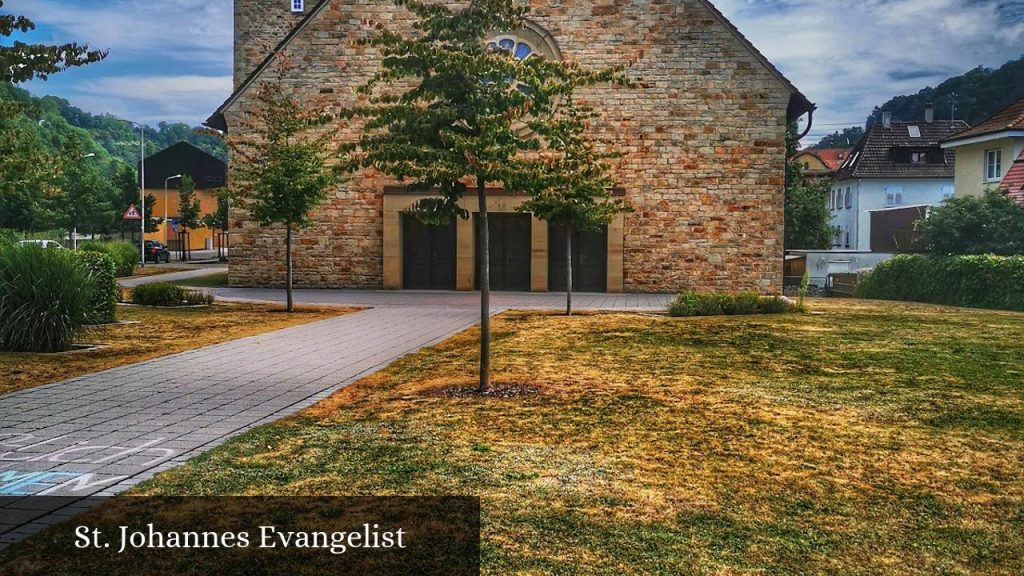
(171, 59)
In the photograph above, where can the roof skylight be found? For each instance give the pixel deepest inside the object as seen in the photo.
(915, 131)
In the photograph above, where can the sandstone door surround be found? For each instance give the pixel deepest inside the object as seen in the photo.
(397, 201)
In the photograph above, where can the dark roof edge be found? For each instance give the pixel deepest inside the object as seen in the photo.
(217, 120)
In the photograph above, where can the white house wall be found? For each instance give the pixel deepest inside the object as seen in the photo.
(872, 194)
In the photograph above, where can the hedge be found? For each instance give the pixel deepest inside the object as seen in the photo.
(101, 269)
(165, 294)
(987, 281)
(45, 298)
(125, 254)
(693, 303)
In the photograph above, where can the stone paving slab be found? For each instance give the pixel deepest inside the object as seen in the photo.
(173, 276)
(417, 298)
(105, 432)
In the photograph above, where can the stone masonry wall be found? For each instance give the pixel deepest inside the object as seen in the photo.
(703, 136)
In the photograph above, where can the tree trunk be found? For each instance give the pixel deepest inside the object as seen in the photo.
(568, 270)
(288, 265)
(485, 289)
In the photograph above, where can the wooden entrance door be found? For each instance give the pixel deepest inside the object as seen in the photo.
(589, 260)
(509, 250)
(428, 255)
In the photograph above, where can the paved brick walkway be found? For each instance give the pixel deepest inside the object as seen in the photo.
(173, 276)
(499, 300)
(102, 433)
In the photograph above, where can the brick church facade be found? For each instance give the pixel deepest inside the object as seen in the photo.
(703, 136)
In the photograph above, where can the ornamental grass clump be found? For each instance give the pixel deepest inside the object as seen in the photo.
(165, 294)
(46, 298)
(101, 268)
(692, 303)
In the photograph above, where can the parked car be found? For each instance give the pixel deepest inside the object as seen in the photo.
(157, 252)
(49, 244)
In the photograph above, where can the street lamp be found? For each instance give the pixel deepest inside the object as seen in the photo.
(166, 182)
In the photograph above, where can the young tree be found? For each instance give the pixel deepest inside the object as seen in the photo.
(280, 171)
(85, 201)
(20, 62)
(447, 112)
(218, 221)
(188, 213)
(807, 219)
(576, 193)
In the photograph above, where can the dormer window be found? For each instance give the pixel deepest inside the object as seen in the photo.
(298, 6)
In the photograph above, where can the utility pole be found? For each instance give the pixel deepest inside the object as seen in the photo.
(952, 106)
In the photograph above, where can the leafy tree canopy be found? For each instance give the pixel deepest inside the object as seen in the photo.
(21, 61)
(990, 224)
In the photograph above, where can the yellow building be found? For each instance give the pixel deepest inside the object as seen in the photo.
(163, 175)
(821, 164)
(985, 153)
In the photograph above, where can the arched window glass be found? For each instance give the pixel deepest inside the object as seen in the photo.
(519, 49)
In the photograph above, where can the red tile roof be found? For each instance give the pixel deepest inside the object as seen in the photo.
(1009, 118)
(832, 157)
(1013, 181)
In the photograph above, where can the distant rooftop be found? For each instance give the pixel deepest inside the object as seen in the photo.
(1010, 118)
(903, 150)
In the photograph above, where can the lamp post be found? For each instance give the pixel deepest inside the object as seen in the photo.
(166, 182)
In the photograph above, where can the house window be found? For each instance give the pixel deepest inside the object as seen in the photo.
(807, 165)
(846, 234)
(918, 157)
(298, 6)
(849, 198)
(893, 195)
(993, 165)
(947, 192)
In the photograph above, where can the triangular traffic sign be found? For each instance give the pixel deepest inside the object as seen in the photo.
(132, 213)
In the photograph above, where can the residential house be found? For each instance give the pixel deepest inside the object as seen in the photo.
(986, 152)
(896, 164)
(821, 164)
(704, 137)
(163, 175)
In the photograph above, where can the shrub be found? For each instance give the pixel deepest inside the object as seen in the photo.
(974, 281)
(988, 224)
(101, 269)
(125, 254)
(693, 303)
(164, 294)
(45, 298)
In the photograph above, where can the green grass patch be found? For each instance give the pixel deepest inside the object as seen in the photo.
(219, 280)
(861, 438)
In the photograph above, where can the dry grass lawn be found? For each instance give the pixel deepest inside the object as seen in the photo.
(153, 332)
(864, 438)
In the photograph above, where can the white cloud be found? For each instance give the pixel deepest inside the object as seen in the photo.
(151, 99)
(185, 30)
(851, 56)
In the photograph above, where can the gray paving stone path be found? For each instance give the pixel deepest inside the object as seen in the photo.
(105, 432)
(416, 298)
(173, 276)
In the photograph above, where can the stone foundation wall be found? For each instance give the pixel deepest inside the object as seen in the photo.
(703, 137)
